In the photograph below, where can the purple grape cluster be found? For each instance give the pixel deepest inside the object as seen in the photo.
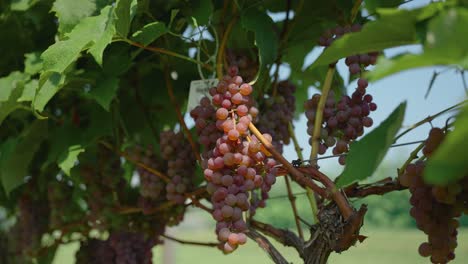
(176, 150)
(151, 186)
(94, 251)
(277, 113)
(355, 62)
(120, 248)
(32, 223)
(237, 165)
(205, 124)
(435, 218)
(343, 120)
(131, 248)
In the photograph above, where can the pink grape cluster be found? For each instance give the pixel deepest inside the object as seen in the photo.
(237, 165)
(176, 150)
(343, 121)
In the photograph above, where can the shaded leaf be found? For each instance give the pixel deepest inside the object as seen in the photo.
(51, 86)
(389, 31)
(444, 33)
(123, 13)
(105, 91)
(68, 159)
(372, 5)
(201, 11)
(32, 63)
(106, 38)
(29, 91)
(265, 37)
(149, 33)
(366, 154)
(71, 12)
(449, 162)
(14, 167)
(11, 88)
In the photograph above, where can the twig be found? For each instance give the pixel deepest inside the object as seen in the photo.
(159, 174)
(170, 91)
(378, 188)
(168, 52)
(310, 193)
(355, 10)
(266, 245)
(186, 242)
(319, 114)
(292, 200)
(465, 86)
(222, 46)
(335, 193)
(295, 174)
(428, 119)
(283, 236)
(413, 155)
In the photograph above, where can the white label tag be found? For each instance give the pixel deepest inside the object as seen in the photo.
(199, 89)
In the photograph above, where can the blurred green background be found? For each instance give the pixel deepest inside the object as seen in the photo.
(392, 235)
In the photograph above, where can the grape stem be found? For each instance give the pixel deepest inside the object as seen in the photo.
(292, 200)
(310, 193)
(319, 114)
(168, 52)
(298, 176)
(283, 236)
(377, 188)
(222, 46)
(266, 245)
(188, 135)
(355, 10)
(428, 119)
(159, 174)
(413, 155)
(186, 242)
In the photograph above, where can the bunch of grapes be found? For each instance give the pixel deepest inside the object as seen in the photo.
(32, 219)
(131, 248)
(176, 150)
(238, 164)
(151, 186)
(205, 124)
(435, 208)
(279, 108)
(436, 219)
(94, 251)
(247, 66)
(343, 120)
(355, 62)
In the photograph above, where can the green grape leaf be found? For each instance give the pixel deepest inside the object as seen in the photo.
(123, 13)
(71, 12)
(389, 31)
(449, 162)
(32, 63)
(149, 33)
(22, 5)
(444, 33)
(29, 91)
(11, 88)
(59, 56)
(366, 154)
(265, 37)
(105, 39)
(15, 163)
(50, 87)
(201, 11)
(372, 5)
(68, 159)
(105, 91)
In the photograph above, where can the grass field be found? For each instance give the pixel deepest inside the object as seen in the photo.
(381, 246)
